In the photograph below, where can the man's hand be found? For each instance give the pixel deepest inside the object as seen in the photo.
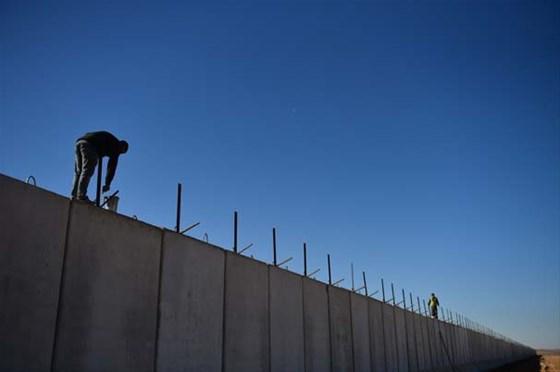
(106, 188)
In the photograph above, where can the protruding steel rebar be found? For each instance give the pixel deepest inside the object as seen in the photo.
(313, 273)
(247, 247)
(178, 222)
(383, 289)
(352, 273)
(235, 231)
(393, 293)
(274, 245)
(99, 177)
(109, 198)
(304, 259)
(329, 265)
(31, 178)
(338, 281)
(365, 282)
(190, 227)
(285, 261)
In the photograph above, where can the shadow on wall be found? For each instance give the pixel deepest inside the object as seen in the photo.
(528, 365)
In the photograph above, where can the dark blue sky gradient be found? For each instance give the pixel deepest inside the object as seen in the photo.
(419, 140)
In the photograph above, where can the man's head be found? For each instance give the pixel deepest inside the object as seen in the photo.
(433, 294)
(124, 147)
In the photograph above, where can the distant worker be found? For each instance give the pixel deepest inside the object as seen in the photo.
(89, 149)
(433, 303)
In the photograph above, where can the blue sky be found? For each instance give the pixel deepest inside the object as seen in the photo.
(418, 140)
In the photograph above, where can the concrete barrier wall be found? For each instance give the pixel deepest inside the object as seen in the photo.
(286, 321)
(85, 289)
(341, 330)
(246, 337)
(32, 238)
(108, 312)
(391, 358)
(377, 338)
(360, 332)
(316, 333)
(191, 306)
(402, 346)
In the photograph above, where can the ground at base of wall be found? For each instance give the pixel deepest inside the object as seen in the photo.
(543, 362)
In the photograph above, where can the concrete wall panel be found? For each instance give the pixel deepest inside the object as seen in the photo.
(110, 290)
(401, 340)
(246, 335)
(286, 321)
(423, 362)
(341, 329)
(316, 323)
(411, 340)
(32, 237)
(390, 339)
(360, 332)
(377, 340)
(191, 306)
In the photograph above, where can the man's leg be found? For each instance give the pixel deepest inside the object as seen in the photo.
(89, 161)
(77, 171)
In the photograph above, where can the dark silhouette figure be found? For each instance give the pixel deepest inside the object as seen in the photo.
(89, 149)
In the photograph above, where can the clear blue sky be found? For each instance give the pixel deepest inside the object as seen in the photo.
(418, 140)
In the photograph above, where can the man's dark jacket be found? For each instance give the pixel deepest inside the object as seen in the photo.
(105, 144)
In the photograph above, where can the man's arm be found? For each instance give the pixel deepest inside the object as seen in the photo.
(111, 169)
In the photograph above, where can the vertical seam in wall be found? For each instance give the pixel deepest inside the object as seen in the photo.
(413, 317)
(61, 287)
(224, 314)
(406, 340)
(158, 311)
(370, 341)
(352, 333)
(303, 323)
(428, 341)
(396, 338)
(269, 323)
(383, 331)
(330, 330)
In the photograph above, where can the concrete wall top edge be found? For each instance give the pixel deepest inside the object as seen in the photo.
(29, 186)
(111, 214)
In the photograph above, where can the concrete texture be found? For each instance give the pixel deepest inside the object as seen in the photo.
(423, 357)
(286, 321)
(191, 306)
(401, 340)
(246, 338)
(109, 295)
(377, 341)
(341, 330)
(81, 288)
(360, 332)
(32, 238)
(390, 339)
(411, 341)
(316, 320)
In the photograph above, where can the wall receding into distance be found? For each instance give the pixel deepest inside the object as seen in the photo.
(86, 289)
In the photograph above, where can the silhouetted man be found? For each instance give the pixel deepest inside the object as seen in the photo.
(433, 303)
(89, 148)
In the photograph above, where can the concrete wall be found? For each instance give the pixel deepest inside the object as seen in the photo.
(84, 289)
(341, 330)
(377, 338)
(360, 332)
(191, 306)
(32, 239)
(246, 337)
(286, 321)
(108, 312)
(316, 334)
